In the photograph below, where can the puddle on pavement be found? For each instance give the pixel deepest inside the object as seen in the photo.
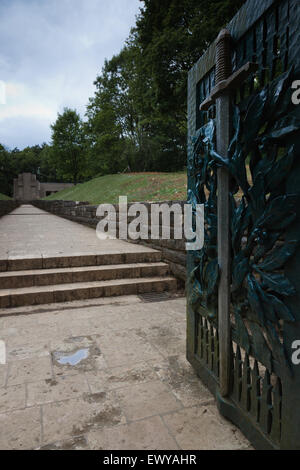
(80, 353)
(71, 359)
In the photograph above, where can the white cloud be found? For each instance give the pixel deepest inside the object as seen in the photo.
(22, 101)
(53, 51)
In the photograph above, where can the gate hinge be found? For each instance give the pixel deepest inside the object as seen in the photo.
(233, 82)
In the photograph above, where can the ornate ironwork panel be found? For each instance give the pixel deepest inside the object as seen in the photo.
(264, 167)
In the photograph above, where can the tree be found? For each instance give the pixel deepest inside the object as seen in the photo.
(113, 121)
(13, 162)
(142, 91)
(47, 169)
(136, 120)
(68, 142)
(6, 171)
(172, 36)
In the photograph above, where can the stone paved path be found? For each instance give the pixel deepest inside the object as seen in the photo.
(31, 232)
(106, 373)
(44, 258)
(133, 388)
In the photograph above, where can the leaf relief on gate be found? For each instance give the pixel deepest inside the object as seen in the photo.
(203, 280)
(260, 158)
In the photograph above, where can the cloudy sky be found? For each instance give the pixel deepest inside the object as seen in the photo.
(50, 53)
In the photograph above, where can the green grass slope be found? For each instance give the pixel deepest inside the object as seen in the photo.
(3, 197)
(136, 186)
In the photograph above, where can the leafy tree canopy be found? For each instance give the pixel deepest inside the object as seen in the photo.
(136, 120)
(68, 145)
(145, 85)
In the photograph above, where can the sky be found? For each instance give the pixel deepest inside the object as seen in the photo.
(50, 54)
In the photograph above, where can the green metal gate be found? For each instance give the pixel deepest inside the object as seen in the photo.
(243, 306)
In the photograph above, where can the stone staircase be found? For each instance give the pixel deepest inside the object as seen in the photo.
(33, 281)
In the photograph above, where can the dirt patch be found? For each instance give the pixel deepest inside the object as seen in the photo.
(77, 443)
(109, 415)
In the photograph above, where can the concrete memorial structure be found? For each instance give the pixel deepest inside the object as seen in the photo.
(28, 188)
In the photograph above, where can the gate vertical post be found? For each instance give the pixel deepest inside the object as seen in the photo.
(223, 71)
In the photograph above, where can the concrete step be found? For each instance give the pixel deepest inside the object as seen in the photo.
(23, 262)
(46, 277)
(84, 290)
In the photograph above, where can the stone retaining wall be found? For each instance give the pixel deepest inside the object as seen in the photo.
(7, 206)
(173, 251)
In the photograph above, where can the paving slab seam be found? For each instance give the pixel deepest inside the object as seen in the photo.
(168, 386)
(26, 395)
(64, 400)
(121, 407)
(170, 432)
(142, 420)
(7, 375)
(51, 366)
(42, 425)
(119, 364)
(87, 382)
(204, 403)
(165, 356)
(56, 443)
(116, 389)
(220, 423)
(36, 405)
(21, 408)
(57, 307)
(95, 426)
(60, 306)
(160, 414)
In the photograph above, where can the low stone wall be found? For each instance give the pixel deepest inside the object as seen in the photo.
(7, 206)
(173, 251)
